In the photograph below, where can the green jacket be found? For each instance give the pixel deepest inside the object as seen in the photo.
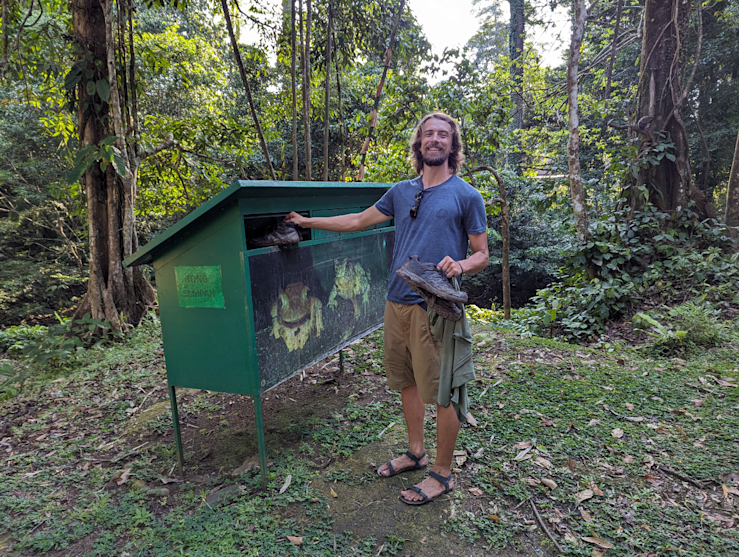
(457, 367)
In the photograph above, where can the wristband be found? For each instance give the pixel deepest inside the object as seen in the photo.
(460, 267)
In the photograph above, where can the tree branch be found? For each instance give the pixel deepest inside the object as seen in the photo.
(168, 143)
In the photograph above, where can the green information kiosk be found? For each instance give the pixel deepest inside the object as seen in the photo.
(241, 319)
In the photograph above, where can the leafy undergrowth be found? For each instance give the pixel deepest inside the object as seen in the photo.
(621, 453)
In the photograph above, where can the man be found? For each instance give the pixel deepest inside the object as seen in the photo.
(436, 214)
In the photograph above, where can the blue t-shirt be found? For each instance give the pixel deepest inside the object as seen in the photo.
(447, 213)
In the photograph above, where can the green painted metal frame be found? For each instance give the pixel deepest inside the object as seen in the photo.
(215, 233)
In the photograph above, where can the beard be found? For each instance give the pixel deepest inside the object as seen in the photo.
(434, 159)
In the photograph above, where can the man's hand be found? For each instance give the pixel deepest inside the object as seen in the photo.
(295, 218)
(450, 267)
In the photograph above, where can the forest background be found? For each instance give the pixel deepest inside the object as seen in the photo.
(612, 188)
(611, 180)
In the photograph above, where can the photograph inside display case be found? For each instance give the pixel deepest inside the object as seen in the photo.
(310, 300)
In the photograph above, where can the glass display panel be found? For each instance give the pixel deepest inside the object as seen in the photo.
(310, 300)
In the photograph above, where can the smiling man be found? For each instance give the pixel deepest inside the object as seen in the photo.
(437, 216)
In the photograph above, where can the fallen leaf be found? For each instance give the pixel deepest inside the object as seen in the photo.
(494, 517)
(522, 445)
(422, 540)
(500, 404)
(589, 362)
(617, 433)
(732, 477)
(297, 540)
(333, 493)
(629, 406)
(522, 454)
(532, 481)
(658, 399)
(123, 478)
(608, 387)
(586, 515)
(551, 484)
(593, 422)
(475, 491)
(572, 538)
(571, 464)
(471, 420)
(548, 423)
(628, 458)
(597, 541)
(284, 487)
(168, 480)
(583, 495)
(728, 489)
(597, 491)
(381, 548)
(543, 462)
(247, 466)
(460, 457)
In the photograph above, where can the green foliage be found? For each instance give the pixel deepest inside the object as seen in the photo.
(43, 349)
(687, 327)
(17, 335)
(651, 254)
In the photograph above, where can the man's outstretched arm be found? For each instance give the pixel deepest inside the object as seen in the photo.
(352, 222)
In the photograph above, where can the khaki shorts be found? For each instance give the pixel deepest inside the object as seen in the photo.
(411, 354)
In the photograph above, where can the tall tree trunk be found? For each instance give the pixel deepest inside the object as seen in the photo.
(294, 91)
(515, 48)
(378, 93)
(609, 71)
(579, 207)
(307, 89)
(116, 295)
(341, 115)
(666, 184)
(505, 223)
(242, 72)
(328, 94)
(504, 233)
(5, 54)
(732, 194)
(516, 35)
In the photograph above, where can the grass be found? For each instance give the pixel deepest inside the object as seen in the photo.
(651, 440)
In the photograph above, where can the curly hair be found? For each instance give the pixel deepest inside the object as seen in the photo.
(456, 155)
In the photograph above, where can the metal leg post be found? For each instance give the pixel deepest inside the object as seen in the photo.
(260, 439)
(176, 428)
(341, 361)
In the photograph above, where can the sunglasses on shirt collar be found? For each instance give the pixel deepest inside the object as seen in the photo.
(414, 209)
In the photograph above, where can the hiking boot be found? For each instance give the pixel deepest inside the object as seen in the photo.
(284, 234)
(432, 285)
(431, 279)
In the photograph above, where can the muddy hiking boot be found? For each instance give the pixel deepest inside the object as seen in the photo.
(283, 234)
(433, 286)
